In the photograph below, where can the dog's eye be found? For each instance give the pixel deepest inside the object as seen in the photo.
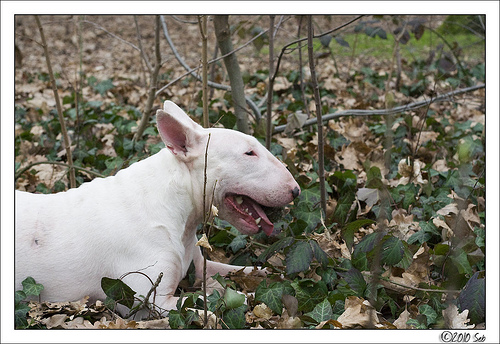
(250, 153)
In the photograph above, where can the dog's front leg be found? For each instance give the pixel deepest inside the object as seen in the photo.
(221, 268)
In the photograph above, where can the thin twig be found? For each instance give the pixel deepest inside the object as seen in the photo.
(18, 174)
(301, 74)
(317, 100)
(64, 132)
(152, 84)
(270, 87)
(205, 221)
(141, 49)
(283, 50)
(112, 35)
(202, 20)
(395, 110)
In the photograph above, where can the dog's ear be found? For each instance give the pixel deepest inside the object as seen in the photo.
(180, 133)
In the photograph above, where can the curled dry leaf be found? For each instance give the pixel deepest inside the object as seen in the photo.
(288, 322)
(417, 272)
(334, 323)
(403, 225)
(400, 322)
(359, 313)
(203, 242)
(262, 311)
(413, 173)
(369, 196)
(455, 320)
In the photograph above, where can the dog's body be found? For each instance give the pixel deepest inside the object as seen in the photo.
(145, 217)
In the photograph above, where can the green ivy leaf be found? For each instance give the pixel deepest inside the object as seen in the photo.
(19, 296)
(374, 178)
(20, 312)
(343, 207)
(322, 311)
(299, 257)
(355, 280)
(118, 291)
(233, 299)
(234, 318)
(473, 298)
(104, 86)
(309, 293)
(310, 196)
(429, 227)
(176, 320)
(459, 259)
(277, 246)
(271, 295)
(30, 287)
(238, 243)
(407, 257)
(392, 251)
(419, 237)
(214, 301)
(318, 253)
(369, 242)
(310, 216)
(429, 313)
(353, 227)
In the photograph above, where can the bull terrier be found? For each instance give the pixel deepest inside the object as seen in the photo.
(146, 216)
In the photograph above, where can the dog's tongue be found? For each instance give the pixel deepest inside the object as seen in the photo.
(253, 212)
(265, 223)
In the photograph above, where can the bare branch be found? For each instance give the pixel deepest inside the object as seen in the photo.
(141, 49)
(283, 50)
(64, 132)
(192, 71)
(317, 100)
(112, 34)
(152, 84)
(270, 87)
(27, 168)
(395, 110)
(202, 20)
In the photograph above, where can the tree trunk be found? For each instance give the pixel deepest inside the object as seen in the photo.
(223, 34)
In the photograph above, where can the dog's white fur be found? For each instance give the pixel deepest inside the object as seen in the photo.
(145, 217)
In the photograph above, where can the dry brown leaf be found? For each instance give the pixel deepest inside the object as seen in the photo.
(369, 196)
(411, 173)
(203, 242)
(455, 320)
(359, 313)
(335, 323)
(287, 322)
(157, 324)
(403, 225)
(451, 208)
(247, 281)
(440, 166)
(400, 322)
(349, 158)
(262, 311)
(417, 272)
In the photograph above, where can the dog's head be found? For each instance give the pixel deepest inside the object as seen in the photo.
(249, 181)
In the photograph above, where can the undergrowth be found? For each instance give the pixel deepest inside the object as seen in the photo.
(404, 230)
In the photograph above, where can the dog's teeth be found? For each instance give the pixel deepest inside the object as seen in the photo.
(257, 221)
(239, 199)
(246, 210)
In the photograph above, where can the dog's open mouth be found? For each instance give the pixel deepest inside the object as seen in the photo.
(252, 215)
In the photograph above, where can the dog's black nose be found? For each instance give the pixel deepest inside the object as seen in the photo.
(295, 192)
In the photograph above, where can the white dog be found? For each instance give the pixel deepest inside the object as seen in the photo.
(146, 216)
